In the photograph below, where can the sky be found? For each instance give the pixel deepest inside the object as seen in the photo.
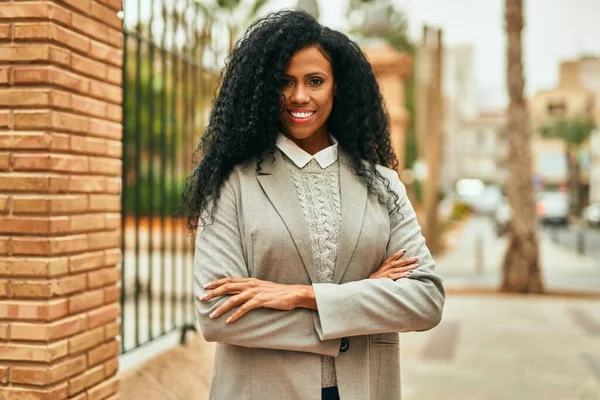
(554, 30)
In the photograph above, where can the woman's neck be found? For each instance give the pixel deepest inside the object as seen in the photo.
(314, 143)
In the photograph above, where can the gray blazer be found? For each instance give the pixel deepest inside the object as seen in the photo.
(258, 230)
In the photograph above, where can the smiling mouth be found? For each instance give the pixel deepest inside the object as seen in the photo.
(302, 115)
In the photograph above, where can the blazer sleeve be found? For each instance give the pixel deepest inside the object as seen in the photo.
(219, 254)
(373, 306)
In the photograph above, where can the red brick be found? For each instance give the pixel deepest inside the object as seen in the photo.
(33, 267)
(5, 73)
(105, 53)
(70, 122)
(49, 246)
(87, 184)
(4, 288)
(115, 38)
(106, 91)
(60, 14)
(19, 182)
(31, 205)
(113, 221)
(88, 145)
(3, 374)
(113, 256)
(5, 243)
(87, 261)
(6, 119)
(4, 161)
(104, 240)
(67, 327)
(88, 66)
(114, 75)
(31, 288)
(112, 294)
(4, 204)
(112, 330)
(80, 5)
(31, 74)
(113, 185)
(86, 301)
(25, 52)
(69, 163)
(33, 352)
(103, 315)
(5, 32)
(60, 99)
(70, 39)
(68, 244)
(20, 10)
(114, 113)
(69, 285)
(60, 56)
(31, 162)
(103, 277)
(105, 166)
(104, 389)
(106, 129)
(58, 183)
(20, 97)
(87, 223)
(106, 15)
(86, 105)
(88, 378)
(46, 375)
(116, 5)
(102, 202)
(32, 30)
(111, 367)
(103, 352)
(32, 119)
(24, 225)
(48, 310)
(86, 340)
(29, 331)
(57, 392)
(4, 331)
(60, 141)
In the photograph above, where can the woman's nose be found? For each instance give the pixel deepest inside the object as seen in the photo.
(299, 96)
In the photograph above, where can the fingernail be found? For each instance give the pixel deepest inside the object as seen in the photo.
(207, 285)
(213, 314)
(206, 296)
(228, 320)
(402, 251)
(415, 266)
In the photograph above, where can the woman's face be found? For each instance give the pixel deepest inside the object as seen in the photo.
(308, 87)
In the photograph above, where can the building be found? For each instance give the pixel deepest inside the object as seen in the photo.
(577, 94)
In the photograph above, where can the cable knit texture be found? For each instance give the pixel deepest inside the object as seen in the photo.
(318, 190)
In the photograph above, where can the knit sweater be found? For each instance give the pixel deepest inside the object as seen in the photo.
(318, 190)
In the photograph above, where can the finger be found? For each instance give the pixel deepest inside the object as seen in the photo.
(244, 308)
(223, 281)
(406, 268)
(400, 275)
(228, 288)
(394, 256)
(404, 262)
(230, 303)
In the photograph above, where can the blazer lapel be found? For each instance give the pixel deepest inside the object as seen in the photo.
(353, 193)
(277, 183)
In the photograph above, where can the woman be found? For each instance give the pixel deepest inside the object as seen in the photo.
(300, 274)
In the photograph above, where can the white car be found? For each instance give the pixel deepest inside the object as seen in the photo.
(591, 214)
(553, 207)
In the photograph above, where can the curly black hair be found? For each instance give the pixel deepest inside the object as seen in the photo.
(244, 121)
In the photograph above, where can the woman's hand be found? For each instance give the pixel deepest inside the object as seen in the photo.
(395, 268)
(252, 293)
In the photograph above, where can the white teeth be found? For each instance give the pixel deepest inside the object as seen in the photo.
(301, 114)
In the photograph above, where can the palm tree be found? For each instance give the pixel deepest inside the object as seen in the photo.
(521, 270)
(573, 132)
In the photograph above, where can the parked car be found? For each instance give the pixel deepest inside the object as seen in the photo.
(552, 207)
(591, 214)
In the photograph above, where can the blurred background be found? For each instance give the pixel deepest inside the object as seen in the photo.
(510, 206)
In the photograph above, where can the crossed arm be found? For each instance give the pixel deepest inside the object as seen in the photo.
(399, 297)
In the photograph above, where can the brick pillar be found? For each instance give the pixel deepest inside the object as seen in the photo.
(60, 168)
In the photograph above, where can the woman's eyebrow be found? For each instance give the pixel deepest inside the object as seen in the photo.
(308, 75)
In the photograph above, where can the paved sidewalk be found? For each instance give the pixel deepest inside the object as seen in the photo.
(476, 254)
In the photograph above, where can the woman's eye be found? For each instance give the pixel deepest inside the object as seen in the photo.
(286, 82)
(315, 81)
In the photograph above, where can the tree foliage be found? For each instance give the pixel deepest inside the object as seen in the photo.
(574, 131)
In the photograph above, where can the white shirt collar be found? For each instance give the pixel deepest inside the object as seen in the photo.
(325, 157)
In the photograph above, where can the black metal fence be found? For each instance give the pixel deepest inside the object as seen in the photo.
(167, 94)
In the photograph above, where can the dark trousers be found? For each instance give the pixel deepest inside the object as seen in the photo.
(330, 393)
